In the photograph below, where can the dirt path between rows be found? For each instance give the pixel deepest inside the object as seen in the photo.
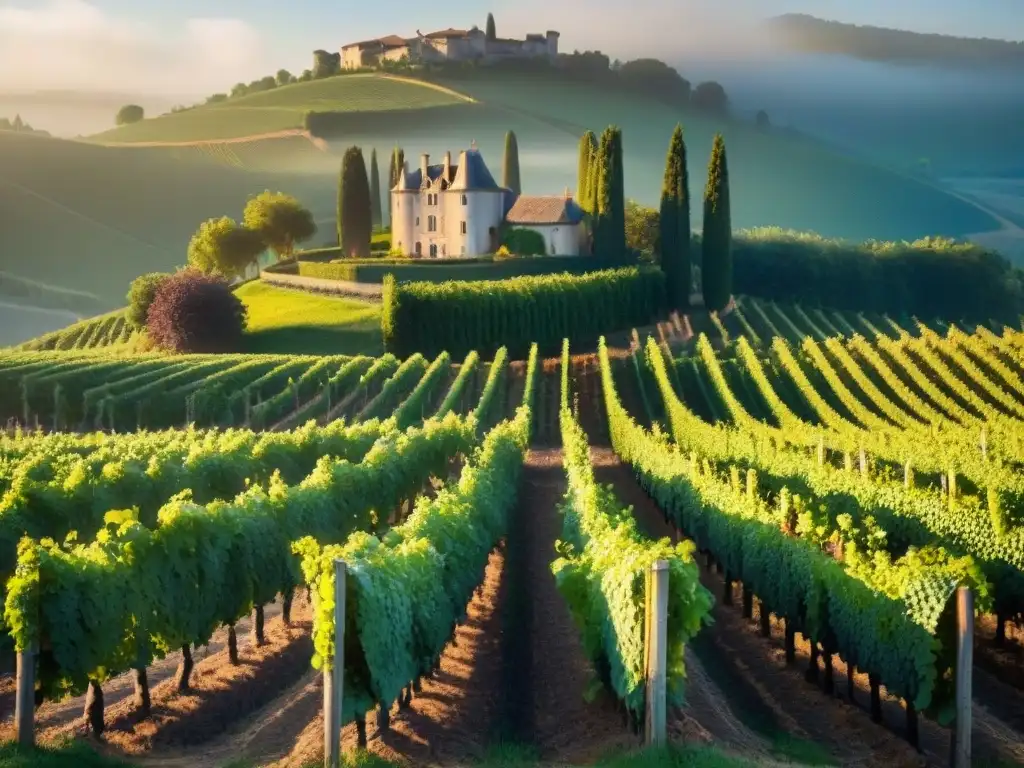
(734, 647)
(516, 672)
(54, 715)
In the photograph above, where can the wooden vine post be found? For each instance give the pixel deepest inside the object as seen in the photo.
(961, 746)
(656, 632)
(25, 701)
(334, 676)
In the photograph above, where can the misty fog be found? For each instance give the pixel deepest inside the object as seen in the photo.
(962, 122)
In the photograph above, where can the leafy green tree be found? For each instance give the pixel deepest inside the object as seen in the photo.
(267, 83)
(523, 242)
(675, 223)
(140, 295)
(128, 114)
(710, 97)
(716, 264)
(492, 32)
(284, 77)
(325, 63)
(222, 247)
(280, 219)
(588, 149)
(239, 89)
(355, 218)
(375, 207)
(510, 169)
(643, 233)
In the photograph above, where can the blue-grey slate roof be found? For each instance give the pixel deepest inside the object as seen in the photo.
(473, 173)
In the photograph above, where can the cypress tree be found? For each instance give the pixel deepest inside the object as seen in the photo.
(394, 171)
(375, 207)
(716, 264)
(355, 220)
(510, 171)
(610, 199)
(674, 223)
(600, 196)
(391, 184)
(617, 195)
(492, 33)
(588, 149)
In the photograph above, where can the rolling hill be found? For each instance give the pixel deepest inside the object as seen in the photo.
(283, 108)
(91, 216)
(776, 179)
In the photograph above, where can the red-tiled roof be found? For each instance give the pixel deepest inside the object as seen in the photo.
(529, 209)
(388, 41)
(446, 33)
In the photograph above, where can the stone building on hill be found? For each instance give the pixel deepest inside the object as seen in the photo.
(446, 211)
(447, 45)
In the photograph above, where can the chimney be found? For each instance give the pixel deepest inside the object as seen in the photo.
(448, 166)
(424, 162)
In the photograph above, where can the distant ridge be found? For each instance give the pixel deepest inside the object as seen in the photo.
(810, 34)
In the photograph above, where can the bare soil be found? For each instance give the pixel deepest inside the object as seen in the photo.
(843, 727)
(52, 716)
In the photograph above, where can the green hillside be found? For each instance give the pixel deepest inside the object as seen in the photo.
(281, 320)
(93, 218)
(283, 108)
(775, 179)
(81, 216)
(778, 179)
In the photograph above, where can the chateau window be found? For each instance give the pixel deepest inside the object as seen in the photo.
(463, 227)
(419, 248)
(417, 221)
(465, 200)
(462, 250)
(431, 223)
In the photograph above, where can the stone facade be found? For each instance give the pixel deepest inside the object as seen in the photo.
(453, 211)
(447, 45)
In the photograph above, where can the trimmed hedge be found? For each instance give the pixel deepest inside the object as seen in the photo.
(933, 277)
(409, 270)
(484, 315)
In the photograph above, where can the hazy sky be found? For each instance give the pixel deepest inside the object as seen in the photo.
(185, 47)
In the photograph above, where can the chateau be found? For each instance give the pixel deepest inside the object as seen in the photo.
(445, 210)
(447, 45)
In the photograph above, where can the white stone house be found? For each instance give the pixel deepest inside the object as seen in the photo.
(452, 211)
(447, 45)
